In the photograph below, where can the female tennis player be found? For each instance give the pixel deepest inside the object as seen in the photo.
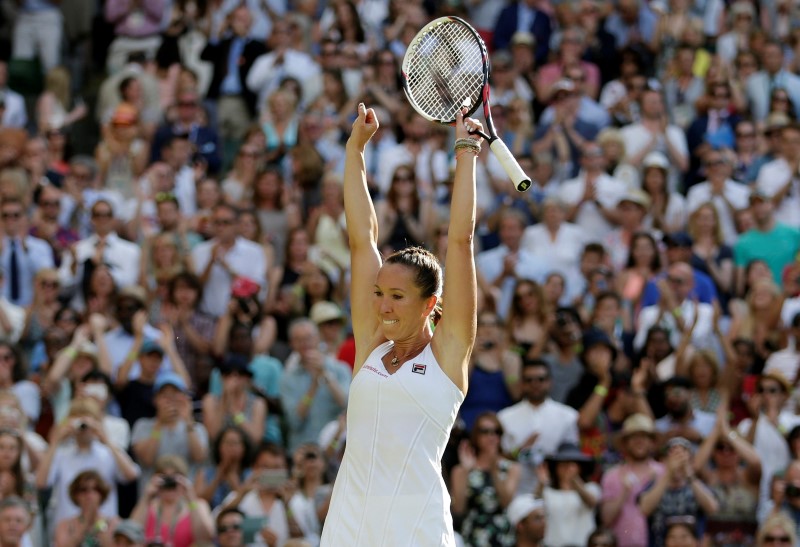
(410, 380)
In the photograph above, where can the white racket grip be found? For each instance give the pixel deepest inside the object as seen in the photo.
(509, 163)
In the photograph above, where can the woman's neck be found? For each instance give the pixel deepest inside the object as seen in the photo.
(310, 485)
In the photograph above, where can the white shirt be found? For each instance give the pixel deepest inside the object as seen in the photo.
(569, 520)
(737, 194)
(245, 258)
(772, 177)
(561, 254)
(265, 75)
(33, 254)
(490, 265)
(15, 114)
(608, 192)
(121, 256)
(16, 318)
(637, 137)
(555, 422)
(786, 361)
(252, 508)
(702, 336)
(68, 463)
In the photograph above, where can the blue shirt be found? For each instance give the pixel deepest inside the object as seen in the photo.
(232, 84)
(704, 290)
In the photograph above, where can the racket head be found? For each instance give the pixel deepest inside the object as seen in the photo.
(445, 67)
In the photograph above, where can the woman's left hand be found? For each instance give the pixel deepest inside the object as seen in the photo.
(465, 125)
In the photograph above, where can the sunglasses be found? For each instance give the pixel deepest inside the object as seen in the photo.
(229, 528)
(777, 539)
(746, 134)
(769, 390)
(102, 214)
(676, 280)
(12, 215)
(722, 447)
(535, 379)
(49, 203)
(489, 431)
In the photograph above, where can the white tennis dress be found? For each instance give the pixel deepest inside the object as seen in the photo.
(389, 490)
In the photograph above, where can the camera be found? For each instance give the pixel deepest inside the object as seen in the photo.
(169, 483)
(792, 491)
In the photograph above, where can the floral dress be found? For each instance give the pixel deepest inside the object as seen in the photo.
(486, 524)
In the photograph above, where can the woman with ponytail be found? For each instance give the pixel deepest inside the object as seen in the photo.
(409, 379)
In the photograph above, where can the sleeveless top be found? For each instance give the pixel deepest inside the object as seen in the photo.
(174, 534)
(486, 524)
(389, 490)
(487, 391)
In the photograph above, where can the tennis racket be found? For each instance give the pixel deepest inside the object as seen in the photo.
(446, 68)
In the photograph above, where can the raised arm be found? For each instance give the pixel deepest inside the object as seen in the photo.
(455, 334)
(362, 231)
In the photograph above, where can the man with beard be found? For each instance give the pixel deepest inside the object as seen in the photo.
(623, 483)
(681, 419)
(537, 425)
(564, 361)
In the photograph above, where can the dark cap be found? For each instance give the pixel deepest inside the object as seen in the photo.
(677, 239)
(594, 336)
(678, 381)
(235, 363)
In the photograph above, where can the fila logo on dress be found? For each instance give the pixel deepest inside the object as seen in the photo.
(418, 369)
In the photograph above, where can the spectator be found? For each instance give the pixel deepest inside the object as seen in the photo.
(760, 85)
(710, 254)
(173, 431)
(313, 388)
(775, 179)
(24, 255)
(309, 504)
(563, 353)
(777, 530)
(79, 443)
(97, 385)
(219, 261)
(38, 31)
(87, 491)
(569, 496)
(681, 532)
(514, 17)
(261, 497)
(592, 197)
(527, 517)
(15, 518)
(14, 111)
(229, 528)
(233, 52)
(676, 310)
(495, 371)
(128, 533)
(536, 425)
(528, 321)
(501, 266)
(677, 492)
(170, 510)
(630, 211)
(734, 477)
(483, 485)
(655, 133)
(768, 233)
(681, 419)
(623, 484)
(667, 212)
(405, 217)
(237, 404)
(230, 457)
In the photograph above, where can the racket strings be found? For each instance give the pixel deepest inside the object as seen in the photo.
(445, 71)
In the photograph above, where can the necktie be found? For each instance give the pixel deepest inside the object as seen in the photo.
(13, 274)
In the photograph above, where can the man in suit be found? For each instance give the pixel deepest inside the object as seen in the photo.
(524, 16)
(233, 56)
(772, 76)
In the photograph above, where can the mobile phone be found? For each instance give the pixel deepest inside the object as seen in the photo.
(273, 478)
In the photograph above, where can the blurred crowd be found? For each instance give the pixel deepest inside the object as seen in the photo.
(175, 352)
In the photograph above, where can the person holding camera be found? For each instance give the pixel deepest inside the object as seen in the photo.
(170, 510)
(77, 444)
(88, 491)
(261, 499)
(173, 431)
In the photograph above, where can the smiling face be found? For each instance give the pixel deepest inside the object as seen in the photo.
(401, 309)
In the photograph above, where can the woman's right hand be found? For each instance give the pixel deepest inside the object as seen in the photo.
(153, 486)
(364, 126)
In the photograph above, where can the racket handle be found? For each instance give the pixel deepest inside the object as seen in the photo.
(509, 163)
